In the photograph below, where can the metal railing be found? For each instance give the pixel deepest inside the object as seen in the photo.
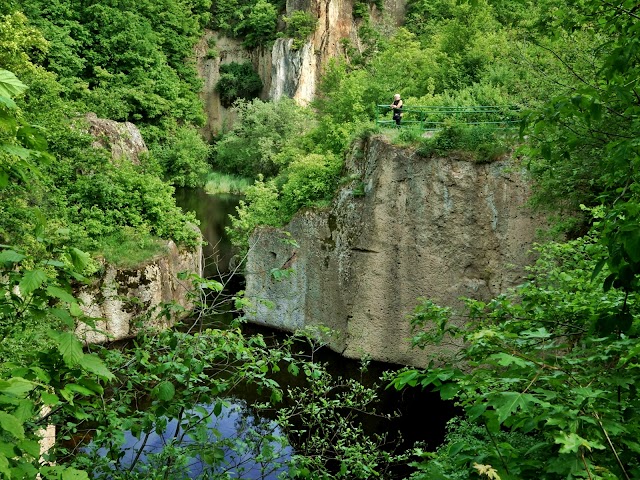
(433, 118)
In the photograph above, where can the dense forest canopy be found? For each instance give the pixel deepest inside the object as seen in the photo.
(552, 392)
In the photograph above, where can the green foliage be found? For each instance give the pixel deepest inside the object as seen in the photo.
(559, 344)
(264, 139)
(261, 206)
(44, 367)
(258, 27)
(238, 81)
(308, 180)
(102, 203)
(467, 445)
(182, 376)
(252, 20)
(300, 25)
(322, 420)
(482, 143)
(38, 122)
(584, 149)
(184, 157)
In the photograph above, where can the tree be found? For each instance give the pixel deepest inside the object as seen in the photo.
(557, 359)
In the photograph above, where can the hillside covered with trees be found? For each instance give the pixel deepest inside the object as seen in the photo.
(548, 381)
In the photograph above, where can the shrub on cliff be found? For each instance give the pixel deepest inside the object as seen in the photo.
(300, 25)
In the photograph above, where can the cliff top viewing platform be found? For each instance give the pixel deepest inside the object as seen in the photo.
(435, 117)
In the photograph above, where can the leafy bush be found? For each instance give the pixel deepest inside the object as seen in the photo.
(184, 158)
(483, 143)
(260, 206)
(102, 203)
(264, 139)
(468, 444)
(565, 341)
(299, 26)
(309, 180)
(258, 27)
(238, 80)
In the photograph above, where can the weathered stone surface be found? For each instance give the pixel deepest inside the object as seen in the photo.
(123, 139)
(286, 71)
(120, 296)
(410, 227)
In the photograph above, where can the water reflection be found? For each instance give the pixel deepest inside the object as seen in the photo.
(227, 441)
(213, 212)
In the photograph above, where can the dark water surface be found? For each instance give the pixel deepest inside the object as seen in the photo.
(213, 213)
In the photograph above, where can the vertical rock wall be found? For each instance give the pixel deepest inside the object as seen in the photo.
(411, 227)
(121, 296)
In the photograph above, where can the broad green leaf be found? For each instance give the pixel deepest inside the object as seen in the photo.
(4, 466)
(49, 398)
(10, 86)
(73, 474)
(75, 310)
(92, 363)
(17, 387)
(64, 316)
(79, 258)
(11, 425)
(504, 360)
(571, 443)
(74, 387)
(9, 256)
(32, 137)
(7, 102)
(23, 153)
(69, 347)
(24, 411)
(164, 391)
(31, 447)
(61, 294)
(91, 384)
(508, 403)
(31, 281)
(449, 390)
(475, 411)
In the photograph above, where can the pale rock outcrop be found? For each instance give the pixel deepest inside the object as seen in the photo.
(122, 296)
(228, 50)
(410, 227)
(122, 139)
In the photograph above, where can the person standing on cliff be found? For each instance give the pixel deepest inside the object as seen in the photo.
(396, 106)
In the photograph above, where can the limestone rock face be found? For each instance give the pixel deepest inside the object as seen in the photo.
(120, 296)
(286, 71)
(409, 227)
(123, 139)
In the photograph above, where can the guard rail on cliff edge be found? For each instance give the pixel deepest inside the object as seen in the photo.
(432, 118)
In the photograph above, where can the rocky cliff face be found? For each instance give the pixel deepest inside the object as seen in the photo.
(286, 71)
(411, 227)
(121, 297)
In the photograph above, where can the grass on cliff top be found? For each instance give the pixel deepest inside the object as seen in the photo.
(129, 248)
(477, 143)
